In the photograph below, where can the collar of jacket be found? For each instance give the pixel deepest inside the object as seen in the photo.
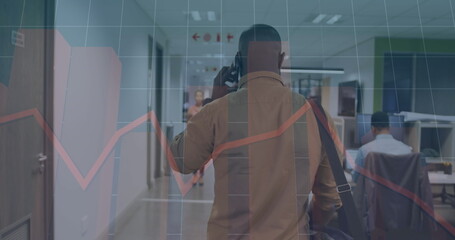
(260, 74)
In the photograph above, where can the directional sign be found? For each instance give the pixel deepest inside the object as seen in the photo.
(207, 37)
(195, 37)
(229, 37)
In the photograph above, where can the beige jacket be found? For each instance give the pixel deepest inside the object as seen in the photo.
(267, 156)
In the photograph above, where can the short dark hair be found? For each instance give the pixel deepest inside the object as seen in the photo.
(380, 120)
(258, 33)
(198, 90)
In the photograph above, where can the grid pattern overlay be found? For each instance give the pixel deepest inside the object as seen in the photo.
(366, 41)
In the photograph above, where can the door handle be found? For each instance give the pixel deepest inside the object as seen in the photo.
(41, 159)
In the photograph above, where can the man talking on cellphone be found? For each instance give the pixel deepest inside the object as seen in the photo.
(266, 149)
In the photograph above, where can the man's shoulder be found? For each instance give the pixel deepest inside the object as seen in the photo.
(403, 145)
(398, 143)
(298, 100)
(381, 146)
(368, 147)
(215, 105)
(240, 97)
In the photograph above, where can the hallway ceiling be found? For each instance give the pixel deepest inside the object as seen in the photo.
(310, 43)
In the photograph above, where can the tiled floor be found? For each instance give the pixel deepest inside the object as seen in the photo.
(162, 214)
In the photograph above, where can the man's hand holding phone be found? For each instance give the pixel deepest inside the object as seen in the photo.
(225, 82)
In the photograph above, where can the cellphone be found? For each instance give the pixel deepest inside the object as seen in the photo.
(235, 74)
(237, 65)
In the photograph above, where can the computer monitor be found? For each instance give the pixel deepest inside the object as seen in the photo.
(365, 135)
(349, 98)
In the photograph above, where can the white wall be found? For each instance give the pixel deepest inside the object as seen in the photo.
(174, 94)
(358, 64)
(85, 213)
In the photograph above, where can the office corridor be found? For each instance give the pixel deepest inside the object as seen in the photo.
(93, 92)
(162, 213)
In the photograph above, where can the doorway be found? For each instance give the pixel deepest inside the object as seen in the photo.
(158, 105)
(26, 164)
(155, 103)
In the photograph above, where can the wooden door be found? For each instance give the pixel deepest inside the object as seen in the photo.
(25, 170)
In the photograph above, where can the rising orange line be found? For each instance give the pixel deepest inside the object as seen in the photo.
(262, 136)
(185, 187)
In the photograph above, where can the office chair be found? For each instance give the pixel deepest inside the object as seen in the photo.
(393, 196)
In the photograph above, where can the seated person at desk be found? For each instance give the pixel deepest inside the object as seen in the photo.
(383, 143)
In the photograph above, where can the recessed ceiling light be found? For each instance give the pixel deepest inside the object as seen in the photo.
(334, 19)
(319, 18)
(313, 70)
(211, 16)
(196, 15)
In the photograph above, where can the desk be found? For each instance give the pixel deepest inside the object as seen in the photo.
(438, 178)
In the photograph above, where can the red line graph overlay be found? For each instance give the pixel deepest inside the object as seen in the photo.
(185, 187)
(85, 181)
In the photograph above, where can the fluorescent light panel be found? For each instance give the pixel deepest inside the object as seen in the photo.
(319, 18)
(196, 15)
(211, 16)
(313, 70)
(334, 19)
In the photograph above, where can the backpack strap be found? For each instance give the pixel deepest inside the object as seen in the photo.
(348, 217)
